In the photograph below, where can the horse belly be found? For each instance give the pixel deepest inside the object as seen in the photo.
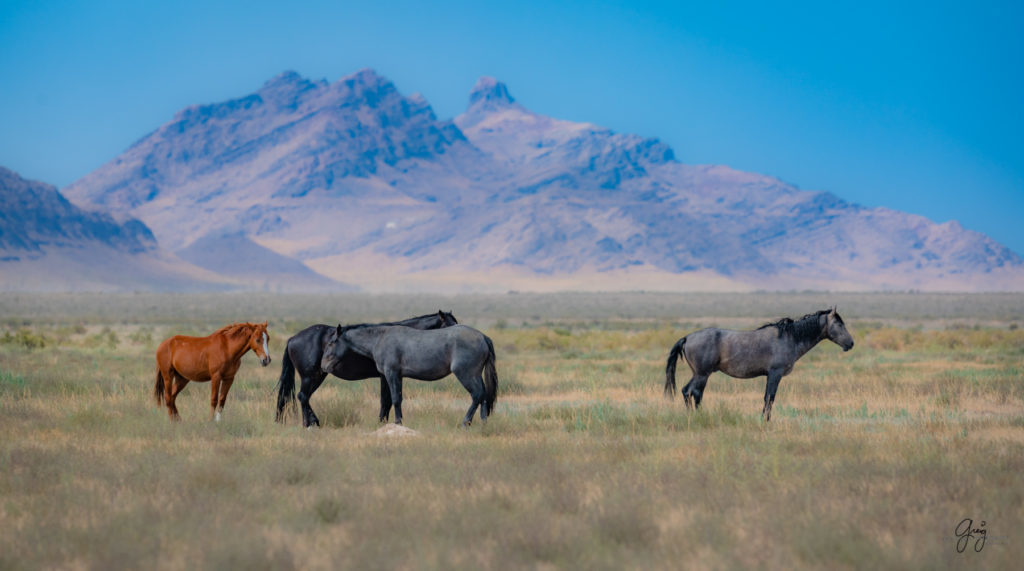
(353, 367)
(190, 361)
(741, 370)
(426, 373)
(744, 359)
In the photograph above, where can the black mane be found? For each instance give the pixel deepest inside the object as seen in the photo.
(406, 322)
(807, 327)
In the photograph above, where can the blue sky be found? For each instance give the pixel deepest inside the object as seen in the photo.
(916, 106)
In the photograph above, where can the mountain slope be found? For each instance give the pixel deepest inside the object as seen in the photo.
(35, 217)
(256, 267)
(367, 186)
(291, 145)
(49, 244)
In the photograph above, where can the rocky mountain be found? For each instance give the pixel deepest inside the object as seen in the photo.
(367, 186)
(48, 243)
(35, 217)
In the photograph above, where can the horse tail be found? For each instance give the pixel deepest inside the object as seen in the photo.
(670, 368)
(490, 377)
(158, 388)
(285, 385)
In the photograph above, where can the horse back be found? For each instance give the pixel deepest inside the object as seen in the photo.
(741, 354)
(189, 356)
(430, 354)
(198, 358)
(747, 354)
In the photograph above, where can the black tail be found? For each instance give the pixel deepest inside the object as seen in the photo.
(285, 385)
(670, 368)
(158, 389)
(490, 378)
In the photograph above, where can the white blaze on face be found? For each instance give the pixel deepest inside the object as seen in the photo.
(266, 350)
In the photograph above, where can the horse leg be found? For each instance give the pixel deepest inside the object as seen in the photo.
(309, 386)
(698, 390)
(475, 386)
(695, 389)
(215, 382)
(687, 390)
(385, 400)
(394, 379)
(774, 376)
(173, 384)
(225, 386)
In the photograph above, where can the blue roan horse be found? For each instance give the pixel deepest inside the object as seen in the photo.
(425, 355)
(305, 350)
(770, 350)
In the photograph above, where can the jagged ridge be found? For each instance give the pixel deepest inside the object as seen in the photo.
(355, 170)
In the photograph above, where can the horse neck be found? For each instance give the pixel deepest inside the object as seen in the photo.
(805, 338)
(431, 321)
(238, 341)
(362, 339)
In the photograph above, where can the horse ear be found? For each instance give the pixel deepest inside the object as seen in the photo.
(338, 330)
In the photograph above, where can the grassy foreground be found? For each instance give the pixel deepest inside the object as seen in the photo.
(872, 459)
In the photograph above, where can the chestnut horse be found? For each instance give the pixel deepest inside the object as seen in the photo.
(215, 358)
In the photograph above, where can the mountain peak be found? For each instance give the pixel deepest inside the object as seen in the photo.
(365, 78)
(284, 78)
(491, 93)
(365, 85)
(286, 88)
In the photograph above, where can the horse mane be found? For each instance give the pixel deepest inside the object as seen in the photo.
(232, 329)
(345, 328)
(804, 328)
(424, 316)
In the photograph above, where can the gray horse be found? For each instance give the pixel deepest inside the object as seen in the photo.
(427, 355)
(305, 350)
(770, 350)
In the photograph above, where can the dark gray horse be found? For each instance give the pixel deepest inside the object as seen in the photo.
(770, 350)
(425, 355)
(305, 350)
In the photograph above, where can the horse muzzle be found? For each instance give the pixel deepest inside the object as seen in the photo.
(848, 347)
(265, 361)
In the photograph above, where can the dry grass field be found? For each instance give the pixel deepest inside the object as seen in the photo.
(871, 460)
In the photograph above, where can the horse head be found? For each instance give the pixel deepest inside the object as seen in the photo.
(259, 341)
(333, 349)
(447, 319)
(836, 331)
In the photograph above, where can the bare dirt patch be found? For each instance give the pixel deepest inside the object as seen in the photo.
(392, 430)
